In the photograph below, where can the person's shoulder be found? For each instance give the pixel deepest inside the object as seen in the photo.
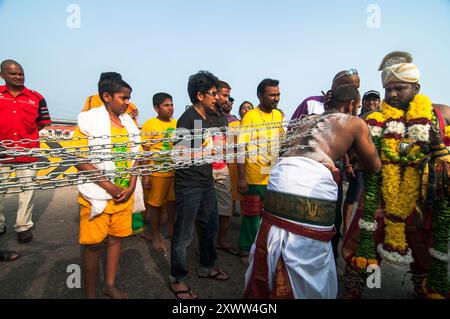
(278, 114)
(442, 107)
(223, 120)
(188, 113)
(249, 117)
(187, 117)
(365, 115)
(445, 112)
(35, 93)
(149, 123)
(251, 114)
(355, 124)
(317, 98)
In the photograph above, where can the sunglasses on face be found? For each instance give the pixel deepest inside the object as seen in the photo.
(213, 94)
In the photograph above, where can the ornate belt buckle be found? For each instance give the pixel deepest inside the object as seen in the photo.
(404, 148)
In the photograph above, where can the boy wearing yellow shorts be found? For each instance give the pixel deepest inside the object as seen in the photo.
(158, 187)
(106, 205)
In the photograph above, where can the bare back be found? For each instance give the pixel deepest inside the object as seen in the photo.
(328, 137)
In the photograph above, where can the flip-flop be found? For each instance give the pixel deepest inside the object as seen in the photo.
(177, 293)
(216, 275)
(231, 250)
(8, 255)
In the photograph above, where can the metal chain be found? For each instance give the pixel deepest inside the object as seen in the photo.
(60, 179)
(18, 185)
(93, 156)
(188, 134)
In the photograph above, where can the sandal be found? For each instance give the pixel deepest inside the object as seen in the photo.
(9, 255)
(177, 293)
(216, 275)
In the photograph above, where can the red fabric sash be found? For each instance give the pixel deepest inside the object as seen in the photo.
(298, 229)
(441, 121)
(251, 205)
(258, 285)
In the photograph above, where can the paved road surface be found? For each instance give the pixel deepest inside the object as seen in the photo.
(42, 270)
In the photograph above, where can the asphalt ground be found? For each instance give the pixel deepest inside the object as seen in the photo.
(47, 263)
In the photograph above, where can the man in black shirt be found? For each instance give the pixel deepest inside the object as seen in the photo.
(194, 186)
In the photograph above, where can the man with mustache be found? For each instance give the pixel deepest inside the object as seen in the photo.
(413, 187)
(260, 133)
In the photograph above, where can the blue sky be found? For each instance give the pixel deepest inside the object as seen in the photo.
(156, 45)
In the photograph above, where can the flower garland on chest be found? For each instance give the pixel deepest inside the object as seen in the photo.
(405, 139)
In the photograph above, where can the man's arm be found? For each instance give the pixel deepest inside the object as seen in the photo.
(103, 182)
(43, 119)
(364, 147)
(242, 181)
(243, 140)
(79, 143)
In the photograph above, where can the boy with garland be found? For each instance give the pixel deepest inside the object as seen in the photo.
(407, 220)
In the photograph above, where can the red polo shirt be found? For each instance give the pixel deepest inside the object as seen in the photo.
(20, 117)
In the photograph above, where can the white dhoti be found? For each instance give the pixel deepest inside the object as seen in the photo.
(309, 262)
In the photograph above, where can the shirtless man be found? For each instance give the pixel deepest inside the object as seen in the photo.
(292, 257)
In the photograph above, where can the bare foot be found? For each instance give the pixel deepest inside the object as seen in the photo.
(114, 293)
(244, 257)
(158, 244)
(181, 291)
(144, 236)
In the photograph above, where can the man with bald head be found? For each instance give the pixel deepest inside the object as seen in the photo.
(23, 113)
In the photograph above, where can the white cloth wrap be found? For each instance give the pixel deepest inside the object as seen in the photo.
(96, 122)
(309, 262)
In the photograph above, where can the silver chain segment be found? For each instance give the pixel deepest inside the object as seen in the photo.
(72, 156)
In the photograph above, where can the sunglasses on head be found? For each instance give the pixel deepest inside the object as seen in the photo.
(348, 73)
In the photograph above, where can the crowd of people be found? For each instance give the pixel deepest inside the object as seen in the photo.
(286, 177)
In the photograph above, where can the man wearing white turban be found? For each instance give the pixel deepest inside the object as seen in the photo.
(411, 132)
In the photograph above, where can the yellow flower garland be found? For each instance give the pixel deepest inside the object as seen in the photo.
(420, 107)
(400, 193)
(395, 235)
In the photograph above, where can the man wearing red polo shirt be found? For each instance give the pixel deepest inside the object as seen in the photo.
(23, 113)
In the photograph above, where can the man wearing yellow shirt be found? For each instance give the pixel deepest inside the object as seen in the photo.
(260, 131)
(159, 185)
(94, 101)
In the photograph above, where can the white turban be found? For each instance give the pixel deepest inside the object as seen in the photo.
(403, 72)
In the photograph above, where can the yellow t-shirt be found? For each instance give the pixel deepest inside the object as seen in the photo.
(118, 136)
(262, 133)
(155, 129)
(94, 101)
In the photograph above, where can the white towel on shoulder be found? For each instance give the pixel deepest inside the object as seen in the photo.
(96, 123)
